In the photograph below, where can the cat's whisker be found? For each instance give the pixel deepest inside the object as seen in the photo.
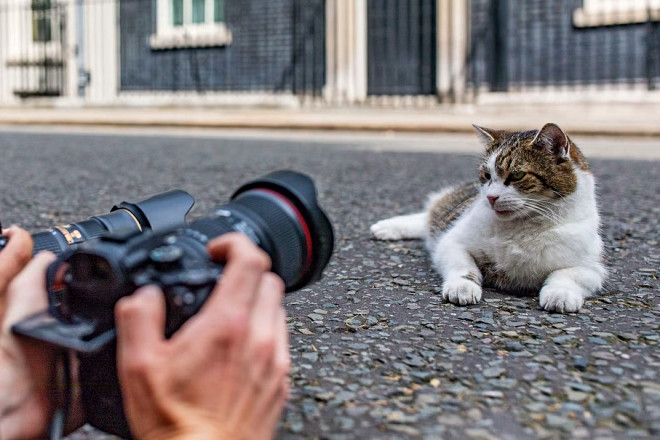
(523, 195)
(540, 208)
(545, 212)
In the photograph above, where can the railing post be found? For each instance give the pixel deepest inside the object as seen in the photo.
(83, 78)
(652, 49)
(499, 80)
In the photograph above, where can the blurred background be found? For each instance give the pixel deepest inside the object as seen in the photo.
(388, 53)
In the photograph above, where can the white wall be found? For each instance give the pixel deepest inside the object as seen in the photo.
(100, 52)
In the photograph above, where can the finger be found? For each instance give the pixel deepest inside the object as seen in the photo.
(140, 323)
(260, 348)
(274, 410)
(263, 337)
(14, 256)
(245, 265)
(26, 294)
(261, 344)
(272, 399)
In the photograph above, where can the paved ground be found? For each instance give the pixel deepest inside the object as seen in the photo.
(377, 354)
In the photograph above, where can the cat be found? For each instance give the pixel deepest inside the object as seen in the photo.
(531, 224)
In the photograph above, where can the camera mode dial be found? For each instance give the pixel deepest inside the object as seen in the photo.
(166, 257)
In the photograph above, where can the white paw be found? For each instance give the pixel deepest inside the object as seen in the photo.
(560, 299)
(388, 229)
(461, 291)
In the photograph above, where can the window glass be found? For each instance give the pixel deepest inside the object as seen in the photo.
(198, 7)
(177, 12)
(41, 21)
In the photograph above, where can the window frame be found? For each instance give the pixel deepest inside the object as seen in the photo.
(595, 13)
(188, 35)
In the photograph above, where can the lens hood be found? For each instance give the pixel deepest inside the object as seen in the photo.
(298, 188)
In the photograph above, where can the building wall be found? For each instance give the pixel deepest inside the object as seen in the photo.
(535, 42)
(277, 45)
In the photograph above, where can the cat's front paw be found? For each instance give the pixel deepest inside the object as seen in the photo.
(388, 229)
(560, 299)
(461, 291)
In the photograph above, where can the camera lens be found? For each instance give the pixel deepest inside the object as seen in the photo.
(279, 212)
(158, 213)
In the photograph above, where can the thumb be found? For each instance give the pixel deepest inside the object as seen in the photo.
(27, 292)
(140, 321)
(14, 256)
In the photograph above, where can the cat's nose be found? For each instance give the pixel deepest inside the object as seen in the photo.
(492, 199)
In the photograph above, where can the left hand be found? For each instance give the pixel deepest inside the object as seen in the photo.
(27, 367)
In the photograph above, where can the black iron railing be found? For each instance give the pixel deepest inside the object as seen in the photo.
(279, 46)
(34, 53)
(519, 45)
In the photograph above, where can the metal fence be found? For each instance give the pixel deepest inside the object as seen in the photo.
(34, 60)
(51, 48)
(519, 45)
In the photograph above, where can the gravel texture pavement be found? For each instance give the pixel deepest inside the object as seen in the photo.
(376, 352)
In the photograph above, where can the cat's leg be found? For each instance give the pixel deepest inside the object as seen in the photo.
(565, 290)
(461, 276)
(401, 227)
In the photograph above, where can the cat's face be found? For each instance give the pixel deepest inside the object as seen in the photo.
(527, 174)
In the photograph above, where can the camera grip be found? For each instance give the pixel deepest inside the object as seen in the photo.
(101, 393)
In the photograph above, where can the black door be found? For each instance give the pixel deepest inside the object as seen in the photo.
(401, 47)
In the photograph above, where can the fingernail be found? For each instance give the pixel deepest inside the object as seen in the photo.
(148, 290)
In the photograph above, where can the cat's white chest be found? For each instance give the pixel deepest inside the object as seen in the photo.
(523, 254)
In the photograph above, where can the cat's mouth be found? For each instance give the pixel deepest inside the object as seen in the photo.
(503, 212)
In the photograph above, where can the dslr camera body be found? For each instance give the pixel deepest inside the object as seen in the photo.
(278, 212)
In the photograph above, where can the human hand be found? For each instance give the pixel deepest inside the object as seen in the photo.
(27, 367)
(224, 373)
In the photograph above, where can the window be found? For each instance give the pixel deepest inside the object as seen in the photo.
(615, 12)
(41, 21)
(190, 23)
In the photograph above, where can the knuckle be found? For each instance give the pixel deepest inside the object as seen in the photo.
(138, 364)
(24, 256)
(273, 282)
(257, 261)
(264, 349)
(126, 308)
(232, 328)
(283, 366)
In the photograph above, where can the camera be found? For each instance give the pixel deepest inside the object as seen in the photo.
(158, 213)
(278, 212)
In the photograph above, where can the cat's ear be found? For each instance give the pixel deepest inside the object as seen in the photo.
(553, 139)
(487, 136)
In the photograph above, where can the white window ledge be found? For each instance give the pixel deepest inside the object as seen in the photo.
(191, 36)
(583, 17)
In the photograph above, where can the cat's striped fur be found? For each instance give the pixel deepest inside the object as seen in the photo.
(530, 224)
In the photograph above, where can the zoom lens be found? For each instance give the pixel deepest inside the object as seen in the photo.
(280, 213)
(158, 213)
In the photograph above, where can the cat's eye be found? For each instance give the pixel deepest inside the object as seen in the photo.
(486, 176)
(516, 175)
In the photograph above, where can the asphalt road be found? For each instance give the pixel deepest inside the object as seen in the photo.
(376, 352)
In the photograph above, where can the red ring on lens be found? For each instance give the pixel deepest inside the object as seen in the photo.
(301, 220)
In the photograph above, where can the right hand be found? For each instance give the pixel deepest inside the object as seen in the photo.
(224, 373)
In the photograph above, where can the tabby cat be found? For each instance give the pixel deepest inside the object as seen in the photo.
(530, 225)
